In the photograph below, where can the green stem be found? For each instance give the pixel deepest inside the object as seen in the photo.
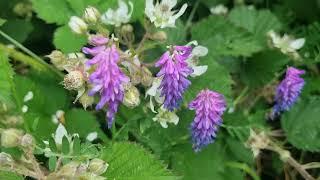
(239, 98)
(245, 168)
(34, 60)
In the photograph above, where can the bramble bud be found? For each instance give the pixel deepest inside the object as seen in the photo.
(98, 166)
(73, 80)
(13, 121)
(86, 100)
(146, 76)
(5, 159)
(58, 59)
(11, 137)
(77, 25)
(159, 35)
(91, 15)
(127, 28)
(131, 97)
(69, 170)
(27, 141)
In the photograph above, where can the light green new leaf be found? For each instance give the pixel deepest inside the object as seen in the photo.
(128, 161)
(6, 175)
(67, 41)
(301, 124)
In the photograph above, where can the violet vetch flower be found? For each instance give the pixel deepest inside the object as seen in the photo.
(209, 107)
(174, 72)
(107, 79)
(288, 91)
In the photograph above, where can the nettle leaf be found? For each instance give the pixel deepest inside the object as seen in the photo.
(261, 68)
(131, 161)
(6, 78)
(301, 124)
(67, 41)
(224, 38)
(82, 122)
(256, 22)
(56, 11)
(10, 176)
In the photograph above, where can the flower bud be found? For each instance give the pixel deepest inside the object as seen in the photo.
(58, 59)
(5, 159)
(160, 36)
(127, 28)
(11, 137)
(27, 141)
(146, 76)
(77, 25)
(98, 166)
(86, 100)
(73, 80)
(131, 97)
(13, 121)
(69, 170)
(91, 15)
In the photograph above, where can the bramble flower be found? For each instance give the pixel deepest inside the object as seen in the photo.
(164, 116)
(155, 92)
(77, 25)
(219, 10)
(288, 91)
(209, 107)
(174, 71)
(107, 79)
(197, 52)
(118, 16)
(161, 14)
(287, 44)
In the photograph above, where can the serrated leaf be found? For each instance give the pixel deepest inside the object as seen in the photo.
(83, 122)
(10, 176)
(223, 38)
(67, 41)
(301, 124)
(130, 161)
(6, 78)
(256, 22)
(56, 11)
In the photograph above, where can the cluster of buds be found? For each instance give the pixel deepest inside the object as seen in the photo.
(16, 138)
(80, 25)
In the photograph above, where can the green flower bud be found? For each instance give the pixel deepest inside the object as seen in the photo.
(146, 77)
(58, 59)
(77, 25)
(11, 137)
(98, 166)
(73, 80)
(131, 97)
(86, 100)
(91, 15)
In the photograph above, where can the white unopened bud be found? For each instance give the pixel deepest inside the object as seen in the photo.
(160, 36)
(73, 80)
(58, 59)
(91, 15)
(77, 25)
(131, 97)
(27, 141)
(86, 100)
(98, 166)
(11, 137)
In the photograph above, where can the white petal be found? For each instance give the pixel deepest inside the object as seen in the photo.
(60, 133)
(200, 51)
(181, 11)
(24, 109)
(123, 8)
(149, 9)
(152, 106)
(163, 124)
(297, 44)
(169, 3)
(28, 96)
(198, 70)
(92, 136)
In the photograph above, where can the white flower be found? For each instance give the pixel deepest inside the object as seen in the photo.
(164, 116)
(118, 16)
(91, 14)
(77, 25)
(197, 52)
(287, 44)
(92, 136)
(161, 14)
(28, 96)
(219, 10)
(154, 92)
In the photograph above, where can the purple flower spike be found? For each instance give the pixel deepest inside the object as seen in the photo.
(107, 79)
(209, 107)
(174, 71)
(288, 91)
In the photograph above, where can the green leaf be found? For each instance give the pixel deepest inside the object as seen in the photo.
(2, 21)
(223, 38)
(6, 78)
(83, 122)
(65, 145)
(52, 163)
(130, 161)
(10, 176)
(256, 22)
(17, 28)
(76, 146)
(67, 41)
(80, 5)
(56, 11)
(301, 124)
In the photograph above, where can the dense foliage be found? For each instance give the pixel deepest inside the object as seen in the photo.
(142, 89)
